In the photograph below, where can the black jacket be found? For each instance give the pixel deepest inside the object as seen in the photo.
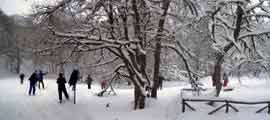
(74, 77)
(61, 81)
(33, 78)
(89, 79)
(22, 75)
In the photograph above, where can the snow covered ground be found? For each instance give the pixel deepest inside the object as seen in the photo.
(15, 104)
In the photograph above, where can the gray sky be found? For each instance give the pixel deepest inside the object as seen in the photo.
(12, 7)
(22, 7)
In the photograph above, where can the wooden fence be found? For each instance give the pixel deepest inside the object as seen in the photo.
(227, 104)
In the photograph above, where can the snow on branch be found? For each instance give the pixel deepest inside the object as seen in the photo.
(104, 63)
(93, 39)
(188, 68)
(226, 23)
(85, 47)
(256, 33)
(265, 9)
(118, 67)
(252, 7)
(67, 59)
(258, 15)
(46, 49)
(238, 47)
(192, 6)
(227, 2)
(246, 61)
(222, 26)
(137, 73)
(188, 52)
(141, 49)
(47, 10)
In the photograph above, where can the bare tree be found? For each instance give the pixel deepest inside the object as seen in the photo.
(95, 33)
(160, 36)
(234, 29)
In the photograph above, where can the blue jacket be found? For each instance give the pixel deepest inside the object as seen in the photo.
(40, 76)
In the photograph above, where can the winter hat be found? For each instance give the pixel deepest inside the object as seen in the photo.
(60, 74)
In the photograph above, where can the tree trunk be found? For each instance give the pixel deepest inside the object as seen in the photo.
(218, 65)
(217, 74)
(139, 102)
(156, 70)
(139, 96)
(217, 79)
(165, 6)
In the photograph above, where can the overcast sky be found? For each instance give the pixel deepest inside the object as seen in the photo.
(12, 7)
(21, 7)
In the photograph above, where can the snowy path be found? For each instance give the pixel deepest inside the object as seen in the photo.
(15, 104)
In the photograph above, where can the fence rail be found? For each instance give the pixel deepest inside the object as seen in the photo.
(227, 104)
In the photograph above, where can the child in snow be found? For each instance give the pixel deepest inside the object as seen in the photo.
(61, 81)
(40, 79)
(89, 81)
(103, 84)
(22, 77)
(225, 80)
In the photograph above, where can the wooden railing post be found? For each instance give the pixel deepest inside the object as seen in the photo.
(227, 106)
(268, 107)
(183, 105)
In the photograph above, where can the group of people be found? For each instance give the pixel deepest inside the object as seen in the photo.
(74, 77)
(103, 83)
(38, 76)
(61, 81)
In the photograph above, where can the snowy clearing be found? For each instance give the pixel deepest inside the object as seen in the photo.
(17, 105)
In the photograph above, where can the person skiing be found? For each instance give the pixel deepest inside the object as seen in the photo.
(74, 77)
(22, 77)
(225, 80)
(40, 79)
(33, 80)
(61, 81)
(89, 81)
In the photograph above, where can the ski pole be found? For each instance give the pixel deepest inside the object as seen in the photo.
(26, 88)
(74, 93)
